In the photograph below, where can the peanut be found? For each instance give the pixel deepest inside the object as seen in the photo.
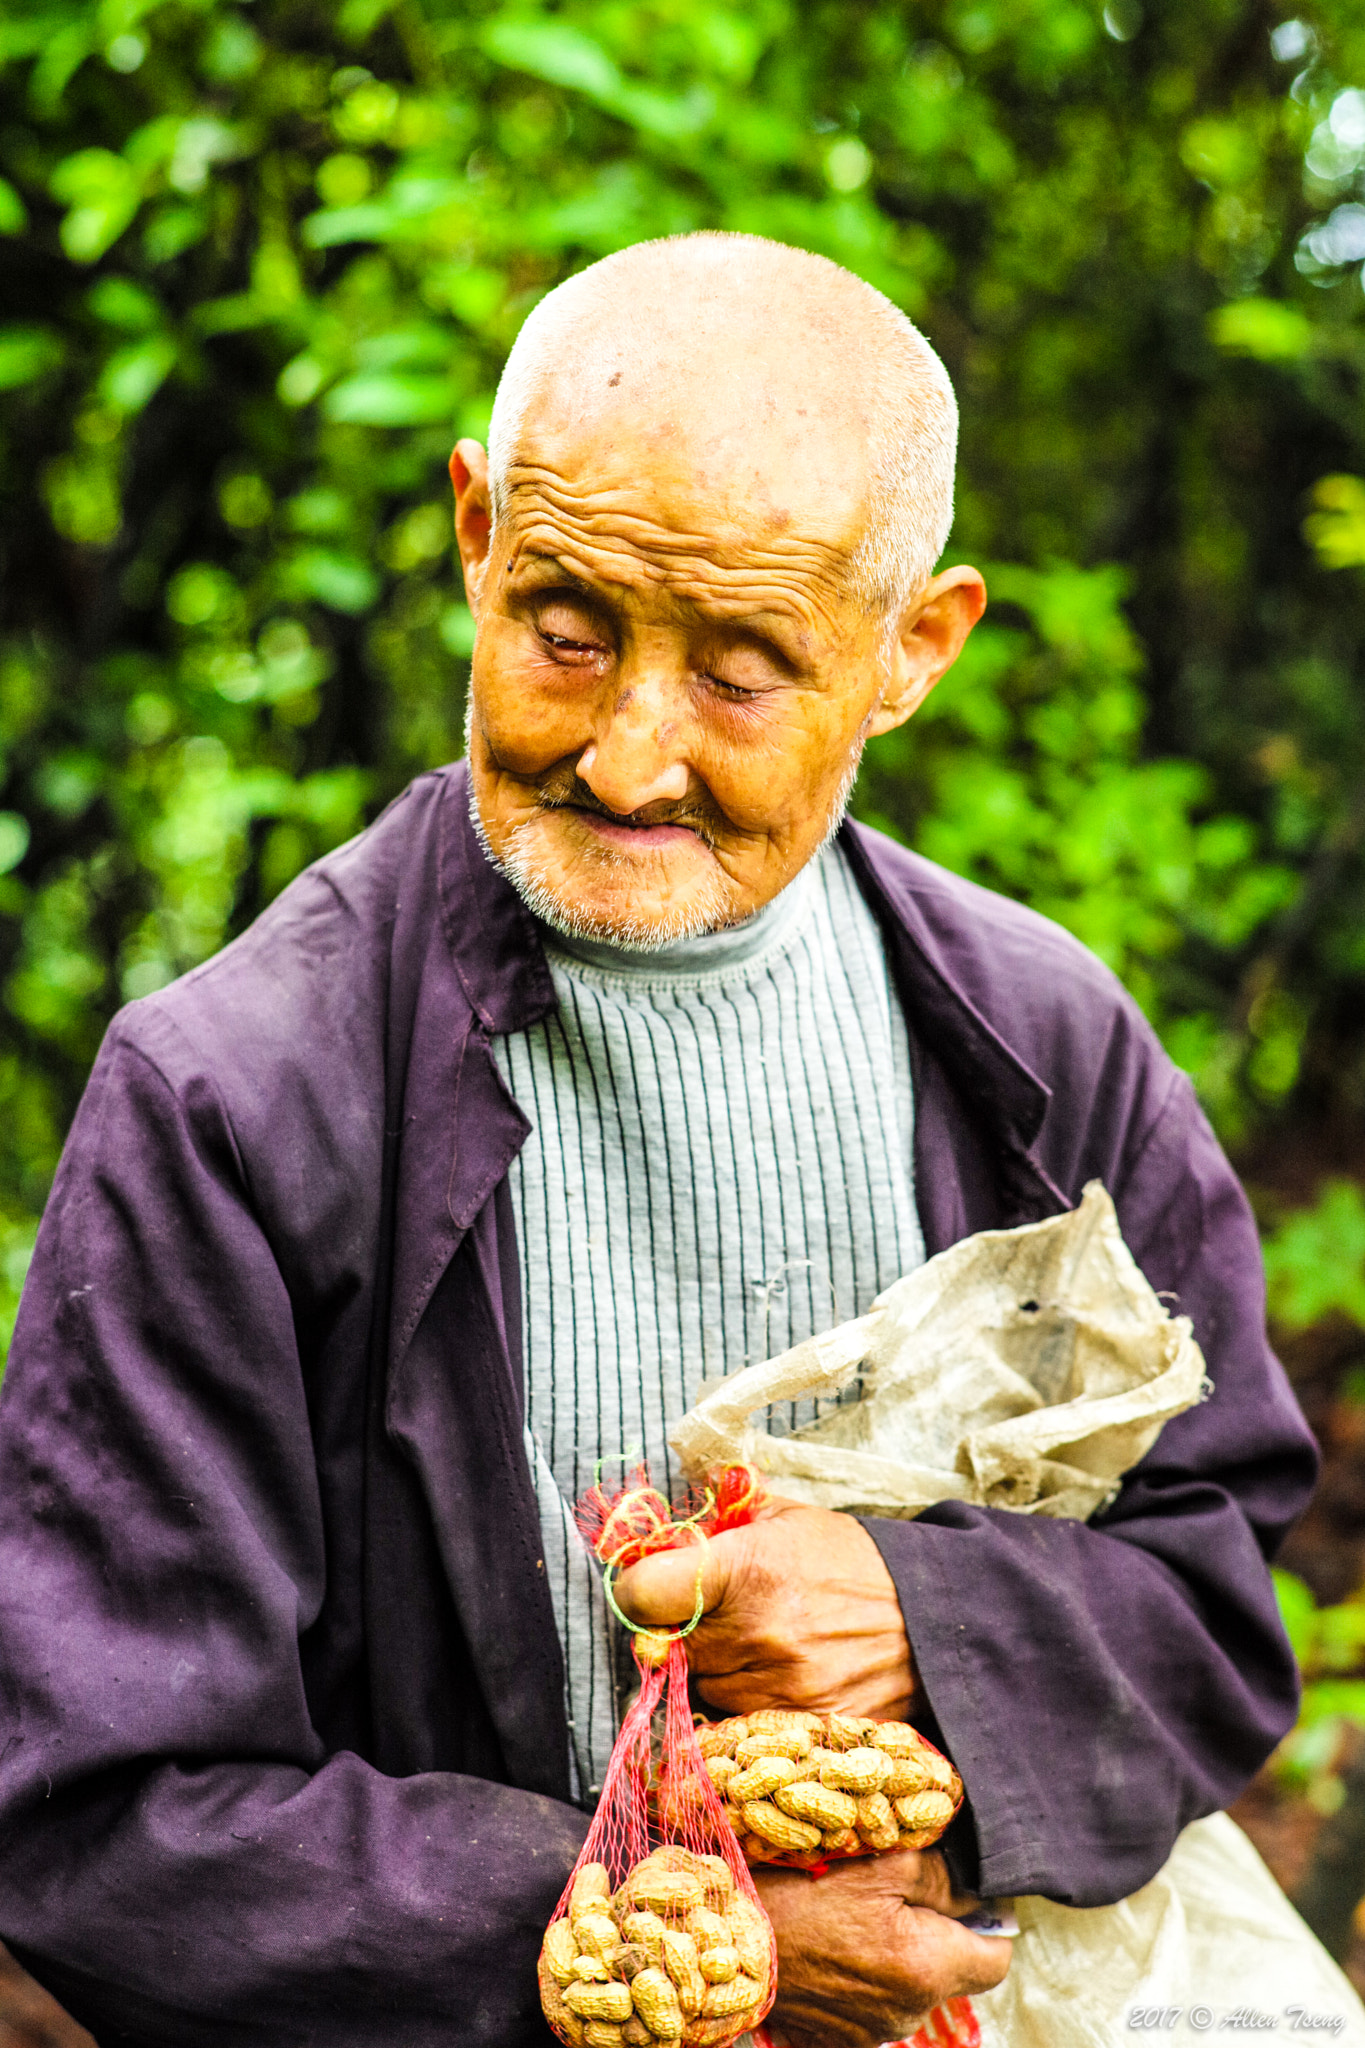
(752, 1936)
(909, 1774)
(858, 1771)
(556, 2012)
(597, 1935)
(843, 1731)
(646, 1931)
(720, 1965)
(762, 1818)
(602, 2034)
(722, 1769)
(707, 2033)
(558, 1950)
(784, 1717)
(848, 1841)
(656, 2001)
(663, 1891)
(589, 1970)
(897, 1738)
(923, 1810)
(724, 2001)
(635, 2033)
(680, 1961)
(600, 2001)
(709, 1930)
(718, 1738)
(591, 1890)
(824, 1808)
(875, 1812)
(761, 1778)
(715, 1873)
(773, 1742)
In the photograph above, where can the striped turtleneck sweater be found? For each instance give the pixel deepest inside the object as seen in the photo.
(720, 1164)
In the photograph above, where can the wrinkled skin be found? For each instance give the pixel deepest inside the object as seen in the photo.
(671, 684)
(867, 1950)
(800, 1612)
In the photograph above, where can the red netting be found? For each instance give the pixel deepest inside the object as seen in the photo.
(953, 2025)
(659, 1935)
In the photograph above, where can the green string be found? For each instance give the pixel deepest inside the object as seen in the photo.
(638, 1629)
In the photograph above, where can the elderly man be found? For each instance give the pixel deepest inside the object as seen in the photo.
(610, 1060)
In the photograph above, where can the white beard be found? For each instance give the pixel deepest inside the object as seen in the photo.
(706, 911)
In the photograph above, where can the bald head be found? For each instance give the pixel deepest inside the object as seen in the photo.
(747, 358)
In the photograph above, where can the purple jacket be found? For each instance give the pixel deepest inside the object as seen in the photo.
(283, 1755)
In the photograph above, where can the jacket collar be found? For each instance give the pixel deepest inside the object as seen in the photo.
(493, 938)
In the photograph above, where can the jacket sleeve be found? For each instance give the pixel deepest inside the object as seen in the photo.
(1102, 1684)
(179, 1859)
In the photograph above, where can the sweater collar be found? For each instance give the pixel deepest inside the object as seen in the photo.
(500, 959)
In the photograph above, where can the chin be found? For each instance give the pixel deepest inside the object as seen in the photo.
(618, 899)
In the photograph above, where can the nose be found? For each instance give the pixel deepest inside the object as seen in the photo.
(638, 755)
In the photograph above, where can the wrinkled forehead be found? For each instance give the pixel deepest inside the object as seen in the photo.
(742, 451)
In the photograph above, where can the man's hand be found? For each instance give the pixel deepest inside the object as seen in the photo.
(866, 1951)
(800, 1612)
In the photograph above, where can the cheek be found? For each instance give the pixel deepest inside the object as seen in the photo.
(777, 770)
(531, 712)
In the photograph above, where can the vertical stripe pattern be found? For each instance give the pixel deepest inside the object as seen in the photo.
(720, 1164)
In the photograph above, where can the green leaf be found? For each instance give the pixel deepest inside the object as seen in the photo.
(27, 353)
(1315, 1259)
(1335, 529)
(14, 840)
(13, 212)
(341, 582)
(1267, 329)
(121, 303)
(554, 51)
(391, 398)
(134, 374)
(102, 192)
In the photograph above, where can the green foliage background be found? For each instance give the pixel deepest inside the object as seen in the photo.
(260, 260)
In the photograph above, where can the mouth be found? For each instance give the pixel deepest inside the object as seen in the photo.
(621, 834)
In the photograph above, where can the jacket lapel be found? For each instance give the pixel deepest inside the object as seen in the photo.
(448, 1394)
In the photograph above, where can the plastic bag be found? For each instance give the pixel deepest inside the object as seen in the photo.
(659, 1935)
(1023, 1369)
(1029, 1369)
(1210, 1946)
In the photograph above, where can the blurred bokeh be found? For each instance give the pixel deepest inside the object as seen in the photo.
(260, 262)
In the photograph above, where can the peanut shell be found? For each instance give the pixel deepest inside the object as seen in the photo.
(824, 1808)
(762, 1777)
(762, 1818)
(656, 2001)
(599, 2001)
(680, 1961)
(558, 1950)
(858, 1771)
(922, 1810)
(725, 2001)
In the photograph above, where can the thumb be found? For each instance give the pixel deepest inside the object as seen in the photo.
(661, 1591)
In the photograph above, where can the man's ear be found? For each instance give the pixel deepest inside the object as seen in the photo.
(928, 639)
(473, 515)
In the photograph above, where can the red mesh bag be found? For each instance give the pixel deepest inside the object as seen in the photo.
(808, 1789)
(659, 1936)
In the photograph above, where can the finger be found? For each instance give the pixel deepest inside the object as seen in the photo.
(661, 1591)
(944, 1959)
